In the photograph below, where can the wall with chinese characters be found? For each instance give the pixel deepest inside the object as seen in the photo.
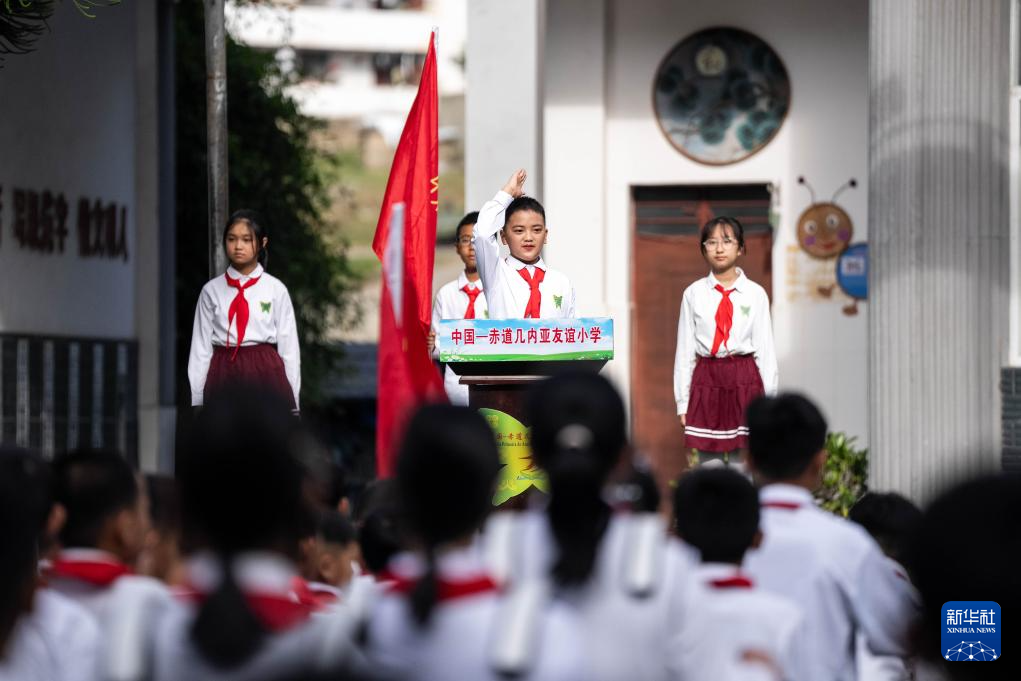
(600, 138)
(68, 214)
(79, 239)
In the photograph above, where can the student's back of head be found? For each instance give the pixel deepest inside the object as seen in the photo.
(24, 507)
(967, 541)
(240, 491)
(377, 523)
(100, 493)
(578, 436)
(162, 557)
(891, 520)
(336, 548)
(446, 470)
(717, 512)
(786, 433)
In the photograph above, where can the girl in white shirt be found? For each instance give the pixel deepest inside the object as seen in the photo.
(725, 356)
(442, 616)
(612, 566)
(243, 506)
(244, 329)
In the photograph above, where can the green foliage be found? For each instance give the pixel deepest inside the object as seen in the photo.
(844, 479)
(22, 22)
(275, 170)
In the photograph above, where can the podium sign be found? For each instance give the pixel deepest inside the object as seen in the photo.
(525, 340)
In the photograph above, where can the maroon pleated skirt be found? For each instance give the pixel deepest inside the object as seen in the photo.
(255, 367)
(721, 390)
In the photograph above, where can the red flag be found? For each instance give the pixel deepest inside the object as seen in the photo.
(407, 376)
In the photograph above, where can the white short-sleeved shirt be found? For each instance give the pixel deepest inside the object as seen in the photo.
(458, 640)
(839, 576)
(627, 634)
(153, 630)
(506, 290)
(91, 595)
(751, 333)
(270, 320)
(452, 303)
(731, 617)
(57, 641)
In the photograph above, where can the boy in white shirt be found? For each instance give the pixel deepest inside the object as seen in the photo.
(462, 298)
(735, 630)
(43, 635)
(829, 565)
(520, 286)
(107, 521)
(891, 520)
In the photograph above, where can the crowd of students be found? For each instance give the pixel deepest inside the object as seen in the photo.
(252, 564)
(249, 565)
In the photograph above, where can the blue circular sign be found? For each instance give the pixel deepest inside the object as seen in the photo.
(853, 271)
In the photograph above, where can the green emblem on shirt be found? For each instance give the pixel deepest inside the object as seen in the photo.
(746, 310)
(558, 301)
(265, 306)
(485, 313)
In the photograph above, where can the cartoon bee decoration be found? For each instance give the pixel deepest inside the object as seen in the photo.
(825, 229)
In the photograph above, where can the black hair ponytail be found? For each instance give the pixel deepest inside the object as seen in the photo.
(577, 512)
(578, 436)
(226, 632)
(446, 470)
(426, 591)
(241, 490)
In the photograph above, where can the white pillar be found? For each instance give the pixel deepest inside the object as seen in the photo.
(938, 203)
(503, 98)
(153, 432)
(574, 147)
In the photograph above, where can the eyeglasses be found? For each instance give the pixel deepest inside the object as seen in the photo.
(464, 240)
(711, 244)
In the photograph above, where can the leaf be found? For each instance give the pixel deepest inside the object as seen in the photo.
(845, 475)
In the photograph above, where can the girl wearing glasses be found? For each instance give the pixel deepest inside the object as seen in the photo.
(725, 356)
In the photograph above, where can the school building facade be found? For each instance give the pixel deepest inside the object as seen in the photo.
(903, 329)
(86, 235)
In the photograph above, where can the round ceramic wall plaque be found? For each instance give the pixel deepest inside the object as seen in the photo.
(720, 95)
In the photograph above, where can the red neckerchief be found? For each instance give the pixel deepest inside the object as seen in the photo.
(532, 309)
(447, 589)
(724, 319)
(307, 594)
(735, 582)
(277, 612)
(472, 294)
(100, 573)
(785, 505)
(238, 308)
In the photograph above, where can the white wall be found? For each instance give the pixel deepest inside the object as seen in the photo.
(80, 118)
(155, 421)
(597, 147)
(69, 126)
(503, 118)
